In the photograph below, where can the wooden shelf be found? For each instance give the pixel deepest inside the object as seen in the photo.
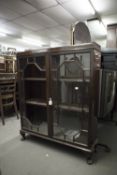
(72, 80)
(36, 102)
(8, 104)
(35, 79)
(73, 108)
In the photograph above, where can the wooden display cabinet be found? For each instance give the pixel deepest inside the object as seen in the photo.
(59, 95)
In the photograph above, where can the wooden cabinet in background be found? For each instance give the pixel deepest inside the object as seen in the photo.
(112, 36)
(2, 64)
(8, 64)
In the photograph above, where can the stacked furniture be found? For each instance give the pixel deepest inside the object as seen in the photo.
(7, 93)
(8, 79)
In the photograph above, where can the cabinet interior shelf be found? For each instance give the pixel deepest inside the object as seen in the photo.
(73, 80)
(56, 69)
(36, 102)
(73, 108)
(35, 79)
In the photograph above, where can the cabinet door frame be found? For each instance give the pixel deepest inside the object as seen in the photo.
(91, 83)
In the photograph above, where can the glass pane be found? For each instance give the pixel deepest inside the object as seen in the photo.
(65, 126)
(35, 84)
(71, 82)
(36, 119)
(32, 70)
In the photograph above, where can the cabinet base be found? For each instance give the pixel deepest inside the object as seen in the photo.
(89, 151)
(23, 134)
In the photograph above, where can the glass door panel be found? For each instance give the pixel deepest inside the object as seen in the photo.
(71, 84)
(35, 85)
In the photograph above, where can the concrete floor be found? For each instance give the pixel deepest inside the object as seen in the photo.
(38, 157)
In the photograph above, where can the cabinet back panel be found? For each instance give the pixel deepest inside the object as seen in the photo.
(35, 89)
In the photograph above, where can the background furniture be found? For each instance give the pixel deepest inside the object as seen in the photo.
(108, 98)
(11, 65)
(7, 93)
(8, 64)
(109, 59)
(108, 93)
(2, 64)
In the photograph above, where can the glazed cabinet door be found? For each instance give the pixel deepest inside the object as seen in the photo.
(70, 91)
(33, 93)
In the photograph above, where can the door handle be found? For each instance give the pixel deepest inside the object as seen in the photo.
(50, 102)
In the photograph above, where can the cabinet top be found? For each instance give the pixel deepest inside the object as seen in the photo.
(84, 46)
(79, 47)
